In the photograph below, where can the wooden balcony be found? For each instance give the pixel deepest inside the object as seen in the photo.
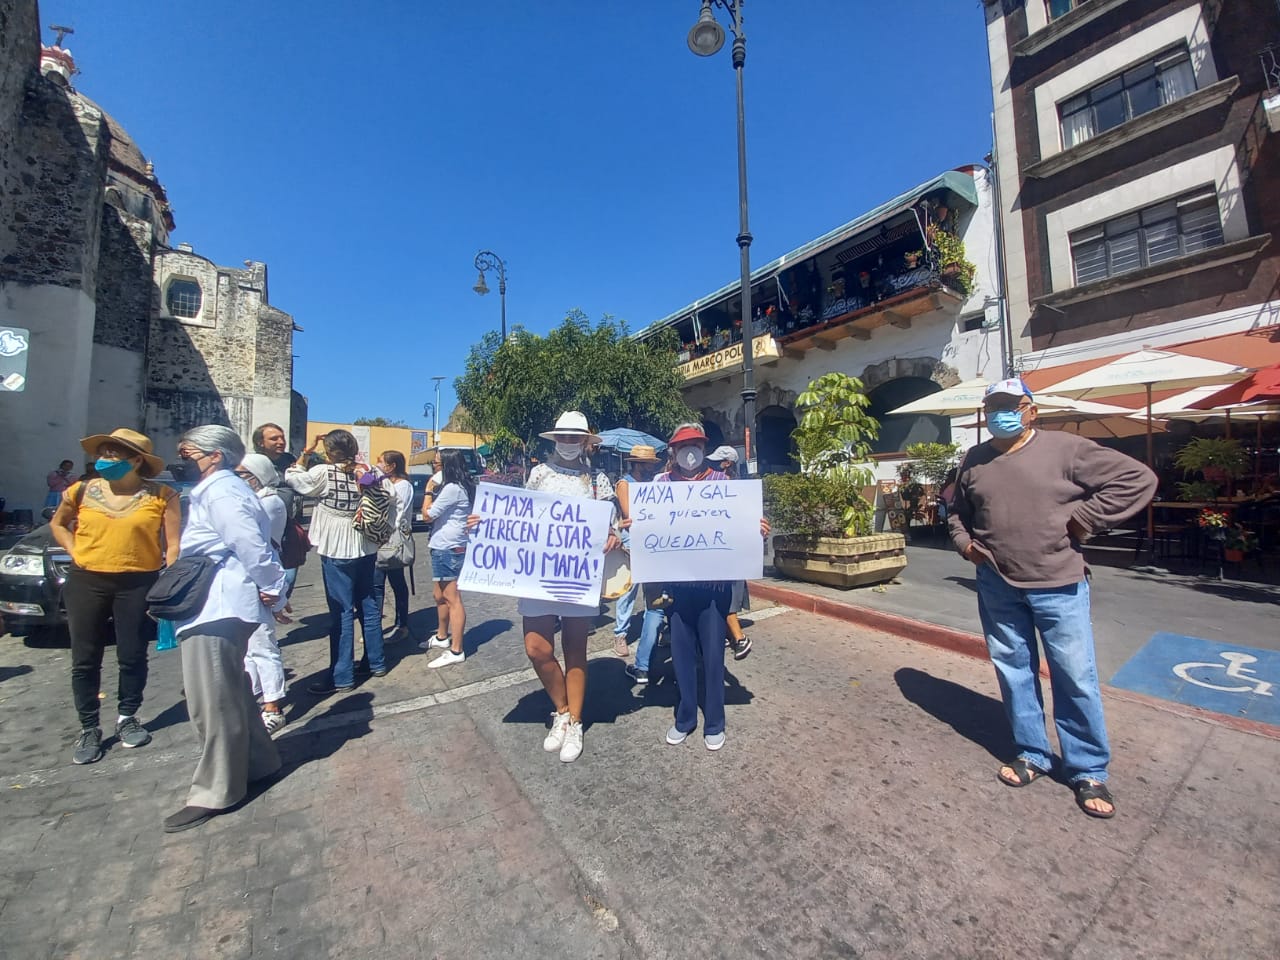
(898, 311)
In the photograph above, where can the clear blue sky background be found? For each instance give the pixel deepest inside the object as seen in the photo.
(367, 151)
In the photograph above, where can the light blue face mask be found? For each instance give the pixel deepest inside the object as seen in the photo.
(112, 469)
(1005, 424)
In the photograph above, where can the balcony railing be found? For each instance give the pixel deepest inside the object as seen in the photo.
(1269, 57)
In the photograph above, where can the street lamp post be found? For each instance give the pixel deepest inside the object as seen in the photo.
(487, 260)
(435, 433)
(705, 39)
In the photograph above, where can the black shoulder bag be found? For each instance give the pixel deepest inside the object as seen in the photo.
(182, 589)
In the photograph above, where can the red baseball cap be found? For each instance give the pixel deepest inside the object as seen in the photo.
(688, 433)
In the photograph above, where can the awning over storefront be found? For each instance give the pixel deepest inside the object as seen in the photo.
(961, 184)
(1251, 349)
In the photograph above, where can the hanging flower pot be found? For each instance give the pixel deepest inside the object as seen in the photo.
(1233, 556)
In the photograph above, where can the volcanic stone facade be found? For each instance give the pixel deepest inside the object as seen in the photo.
(86, 268)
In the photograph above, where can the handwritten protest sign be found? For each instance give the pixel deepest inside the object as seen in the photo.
(535, 544)
(701, 530)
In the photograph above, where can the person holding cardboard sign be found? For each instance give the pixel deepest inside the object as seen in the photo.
(698, 611)
(567, 472)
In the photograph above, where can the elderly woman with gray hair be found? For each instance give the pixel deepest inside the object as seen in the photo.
(226, 521)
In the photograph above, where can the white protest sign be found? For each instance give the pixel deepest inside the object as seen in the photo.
(696, 530)
(535, 544)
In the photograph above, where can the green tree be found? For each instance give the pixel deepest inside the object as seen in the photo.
(522, 385)
(377, 422)
(834, 442)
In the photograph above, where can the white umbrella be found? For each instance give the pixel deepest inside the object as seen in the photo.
(1151, 369)
(954, 401)
(1097, 421)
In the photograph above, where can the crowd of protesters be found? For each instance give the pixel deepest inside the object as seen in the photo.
(242, 542)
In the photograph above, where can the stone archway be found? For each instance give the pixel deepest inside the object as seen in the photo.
(920, 368)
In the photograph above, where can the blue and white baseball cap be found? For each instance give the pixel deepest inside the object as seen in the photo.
(1013, 387)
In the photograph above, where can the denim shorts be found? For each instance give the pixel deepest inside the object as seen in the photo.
(446, 565)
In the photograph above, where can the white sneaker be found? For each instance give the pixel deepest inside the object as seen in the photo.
(676, 737)
(572, 748)
(445, 659)
(273, 721)
(714, 741)
(555, 738)
(433, 642)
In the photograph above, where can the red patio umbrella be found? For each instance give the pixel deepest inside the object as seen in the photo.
(1262, 384)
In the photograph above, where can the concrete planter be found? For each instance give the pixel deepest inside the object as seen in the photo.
(841, 561)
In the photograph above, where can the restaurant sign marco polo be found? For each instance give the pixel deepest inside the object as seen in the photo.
(730, 358)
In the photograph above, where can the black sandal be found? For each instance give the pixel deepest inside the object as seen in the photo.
(1093, 790)
(1023, 772)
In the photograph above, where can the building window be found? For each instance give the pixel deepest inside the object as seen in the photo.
(1138, 90)
(1059, 7)
(183, 299)
(1147, 237)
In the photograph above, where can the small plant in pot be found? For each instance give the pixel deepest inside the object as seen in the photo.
(1237, 543)
(1217, 459)
(823, 519)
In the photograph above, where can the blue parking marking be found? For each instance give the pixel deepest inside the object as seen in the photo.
(1223, 677)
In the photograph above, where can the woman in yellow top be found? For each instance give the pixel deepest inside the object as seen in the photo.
(119, 528)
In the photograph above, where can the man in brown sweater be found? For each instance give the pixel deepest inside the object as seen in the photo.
(1024, 503)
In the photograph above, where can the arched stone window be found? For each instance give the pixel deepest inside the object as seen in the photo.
(184, 298)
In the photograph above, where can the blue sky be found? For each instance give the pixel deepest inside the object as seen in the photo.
(366, 157)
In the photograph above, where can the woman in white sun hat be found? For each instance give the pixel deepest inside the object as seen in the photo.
(567, 471)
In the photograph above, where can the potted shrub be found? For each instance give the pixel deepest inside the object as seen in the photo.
(1237, 542)
(827, 521)
(1217, 459)
(954, 268)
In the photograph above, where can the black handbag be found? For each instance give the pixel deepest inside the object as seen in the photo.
(182, 589)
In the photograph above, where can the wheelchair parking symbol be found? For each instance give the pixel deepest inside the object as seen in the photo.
(1234, 668)
(1226, 677)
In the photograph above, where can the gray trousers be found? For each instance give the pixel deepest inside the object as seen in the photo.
(235, 745)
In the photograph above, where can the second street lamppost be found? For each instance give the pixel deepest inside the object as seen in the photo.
(705, 39)
(487, 260)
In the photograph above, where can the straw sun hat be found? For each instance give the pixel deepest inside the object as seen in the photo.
(132, 440)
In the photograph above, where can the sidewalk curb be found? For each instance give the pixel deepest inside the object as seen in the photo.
(947, 638)
(972, 645)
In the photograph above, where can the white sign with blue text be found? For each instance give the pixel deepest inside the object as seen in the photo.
(531, 543)
(696, 530)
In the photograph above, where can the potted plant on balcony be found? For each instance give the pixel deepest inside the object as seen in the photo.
(957, 271)
(827, 521)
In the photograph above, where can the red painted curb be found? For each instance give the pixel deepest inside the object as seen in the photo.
(972, 645)
(956, 641)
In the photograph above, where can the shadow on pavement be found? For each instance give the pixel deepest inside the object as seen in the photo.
(7, 673)
(477, 636)
(169, 717)
(311, 627)
(972, 715)
(969, 583)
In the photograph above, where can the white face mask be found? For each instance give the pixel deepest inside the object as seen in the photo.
(690, 458)
(568, 450)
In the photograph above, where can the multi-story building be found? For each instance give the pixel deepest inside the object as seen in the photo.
(901, 297)
(105, 324)
(1139, 182)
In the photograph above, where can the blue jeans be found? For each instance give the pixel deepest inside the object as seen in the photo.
(348, 586)
(1010, 618)
(649, 630)
(697, 624)
(622, 611)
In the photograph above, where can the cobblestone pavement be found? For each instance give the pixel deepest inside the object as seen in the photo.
(854, 812)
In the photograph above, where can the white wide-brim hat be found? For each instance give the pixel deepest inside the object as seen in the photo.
(571, 424)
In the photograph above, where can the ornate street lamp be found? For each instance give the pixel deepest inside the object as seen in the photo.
(705, 39)
(487, 260)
